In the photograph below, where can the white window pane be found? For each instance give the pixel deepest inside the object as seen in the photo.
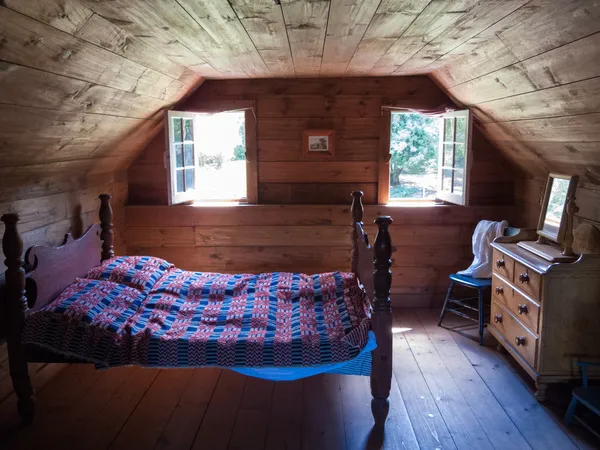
(449, 129)
(447, 180)
(190, 179)
(178, 155)
(180, 183)
(188, 135)
(459, 157)
(461, 129)
(188, 152)
(448, 155)
(177, 137)
(459, 181)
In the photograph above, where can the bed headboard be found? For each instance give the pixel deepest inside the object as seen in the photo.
(49, 270)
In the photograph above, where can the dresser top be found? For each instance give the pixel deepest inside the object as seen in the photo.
(523, 256)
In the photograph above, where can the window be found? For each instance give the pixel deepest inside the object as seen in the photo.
(427, 157)
(209, 157)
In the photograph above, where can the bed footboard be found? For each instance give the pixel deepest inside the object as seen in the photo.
(381, 323)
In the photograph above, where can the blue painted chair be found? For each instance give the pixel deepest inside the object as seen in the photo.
(479, 304)
(467, 306)
(587, 396)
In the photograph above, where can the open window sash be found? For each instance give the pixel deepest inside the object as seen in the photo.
(182, 163)
(454, 157)
(184, 174)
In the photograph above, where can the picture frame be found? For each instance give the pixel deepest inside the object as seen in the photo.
(318, 142)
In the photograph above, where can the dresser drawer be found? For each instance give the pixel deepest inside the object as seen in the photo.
(503, 265)
(527, 311)
(520, 339)
(501, 289)
(527, 280)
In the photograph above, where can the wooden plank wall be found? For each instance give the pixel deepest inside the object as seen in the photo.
(431, 242)
(533, 81)
(54, 207)
(529, 192)
(285, 108)
(298, 225)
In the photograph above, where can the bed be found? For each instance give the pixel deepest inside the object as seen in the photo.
(79, 303)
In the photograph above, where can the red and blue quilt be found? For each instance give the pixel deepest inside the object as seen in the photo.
(144, 311)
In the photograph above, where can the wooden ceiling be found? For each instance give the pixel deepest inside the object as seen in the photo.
(82, 82)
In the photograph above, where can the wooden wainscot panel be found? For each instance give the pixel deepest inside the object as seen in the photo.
(314, 193)
(307, 215)
(160, 236)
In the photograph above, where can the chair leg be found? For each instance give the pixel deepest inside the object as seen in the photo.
(481, 324)
(571, 411)
(448, 296)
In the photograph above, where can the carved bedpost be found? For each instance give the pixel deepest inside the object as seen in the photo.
(16, 310)
(381, 323)
(106, 225)
(357, 216)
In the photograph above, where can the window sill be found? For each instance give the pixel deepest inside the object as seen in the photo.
(414, 203)
(226, 204)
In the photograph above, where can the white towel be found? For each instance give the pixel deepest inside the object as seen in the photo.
(485, 232)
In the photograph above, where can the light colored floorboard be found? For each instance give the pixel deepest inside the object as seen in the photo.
(498, 426)
(535, 424)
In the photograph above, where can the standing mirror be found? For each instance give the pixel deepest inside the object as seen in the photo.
(552, 224)
(555, 225)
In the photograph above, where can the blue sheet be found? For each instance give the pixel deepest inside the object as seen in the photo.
(361, 365)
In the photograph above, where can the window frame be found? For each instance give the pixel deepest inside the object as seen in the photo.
(449, 196)
(383, 189)
(248, 107)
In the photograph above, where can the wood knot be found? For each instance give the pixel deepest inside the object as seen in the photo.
(66, 54)
(2, 41)
(36, 41)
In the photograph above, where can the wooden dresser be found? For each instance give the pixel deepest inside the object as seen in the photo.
(546, 315)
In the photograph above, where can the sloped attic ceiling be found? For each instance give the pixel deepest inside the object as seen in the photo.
(83, 82)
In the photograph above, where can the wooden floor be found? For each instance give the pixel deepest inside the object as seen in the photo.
(447, 393)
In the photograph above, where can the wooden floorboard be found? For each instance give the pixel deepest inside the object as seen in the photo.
(447, 392)
(495, 422)
(285, 421)
(536, 425)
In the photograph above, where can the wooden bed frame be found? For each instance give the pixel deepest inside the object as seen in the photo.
(47, 271)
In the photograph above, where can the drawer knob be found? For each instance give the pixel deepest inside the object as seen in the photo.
(519, 340)
(500, 263)
(524, 278)
(522, 309)
(499, 290)
(498, 318)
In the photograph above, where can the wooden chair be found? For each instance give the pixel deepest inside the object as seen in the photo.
(587, 396)
(479, 304)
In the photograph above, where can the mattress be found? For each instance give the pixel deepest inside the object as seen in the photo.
(144, 311)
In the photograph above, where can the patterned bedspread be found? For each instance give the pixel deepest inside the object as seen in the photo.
(141, 310)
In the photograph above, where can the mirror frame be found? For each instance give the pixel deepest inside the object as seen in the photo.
(559, 238)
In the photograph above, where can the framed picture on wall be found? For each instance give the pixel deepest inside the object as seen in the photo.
(318, 142)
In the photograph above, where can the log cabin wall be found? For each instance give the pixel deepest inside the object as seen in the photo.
(299, 224)
(537, 99)
(79, 97)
